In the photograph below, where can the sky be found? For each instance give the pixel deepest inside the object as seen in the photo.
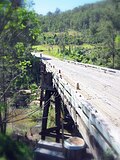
(44, 6)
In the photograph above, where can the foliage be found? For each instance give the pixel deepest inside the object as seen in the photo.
(33, 87)
(10, 150)
(95, 24)
(51, 117)
(37, 116)
(117, 41)
(19, 29)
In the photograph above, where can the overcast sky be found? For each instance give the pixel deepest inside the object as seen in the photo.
(44, 6)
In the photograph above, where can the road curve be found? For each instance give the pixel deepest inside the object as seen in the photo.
(101, 89)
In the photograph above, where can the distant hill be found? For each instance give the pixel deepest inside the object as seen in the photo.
(95, 24)
(90, 16)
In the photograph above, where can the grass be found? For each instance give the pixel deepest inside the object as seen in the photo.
(87, 46)
(20, 126)
(43, 48)
(51, 117)
(73, 33)
(54, 50)
(48, 49)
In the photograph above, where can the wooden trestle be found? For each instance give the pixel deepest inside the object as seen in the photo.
(48, 92)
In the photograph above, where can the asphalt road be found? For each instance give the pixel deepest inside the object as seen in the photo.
(101, 89)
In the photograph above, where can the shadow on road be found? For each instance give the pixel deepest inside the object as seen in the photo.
(45, 58)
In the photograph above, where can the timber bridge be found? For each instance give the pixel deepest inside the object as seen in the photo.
(89, 95)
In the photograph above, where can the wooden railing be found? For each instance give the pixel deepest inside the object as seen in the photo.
(100, 69)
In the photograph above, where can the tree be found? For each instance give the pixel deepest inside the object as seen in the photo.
(57, 11)
(108, 33)
(96, 24)
(17, 3)
(18, 31)
(116, 3)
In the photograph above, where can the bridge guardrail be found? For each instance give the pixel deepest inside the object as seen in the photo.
(102, 69)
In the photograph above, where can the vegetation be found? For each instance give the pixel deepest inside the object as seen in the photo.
(10, 149)
(51, 117)
(19, 29)
(96, 25)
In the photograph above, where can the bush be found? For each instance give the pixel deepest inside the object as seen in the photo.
(11, 150)
(33, 87)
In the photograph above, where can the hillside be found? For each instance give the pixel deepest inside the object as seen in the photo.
(93, 24)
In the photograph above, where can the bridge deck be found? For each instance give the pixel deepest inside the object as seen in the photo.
(99, 87)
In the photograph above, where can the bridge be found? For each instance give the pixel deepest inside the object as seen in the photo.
(91, 95)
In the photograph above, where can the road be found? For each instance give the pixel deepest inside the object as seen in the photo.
(100, 89)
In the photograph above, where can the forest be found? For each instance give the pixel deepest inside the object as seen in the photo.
(88, 34)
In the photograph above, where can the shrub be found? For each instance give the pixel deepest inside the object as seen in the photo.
(12, 150)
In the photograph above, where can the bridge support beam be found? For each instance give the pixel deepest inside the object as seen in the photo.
(45, 113)
(56, 130)
(57, 115)
(47, 91)
(47, 87)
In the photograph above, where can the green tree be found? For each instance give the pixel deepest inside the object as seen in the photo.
(13, 150)
(96, 24)
(18, 31)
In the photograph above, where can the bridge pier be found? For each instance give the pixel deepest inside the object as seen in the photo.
(57, 115)
(48, 94)
(56, 130)
(47, 91)
(45, 113)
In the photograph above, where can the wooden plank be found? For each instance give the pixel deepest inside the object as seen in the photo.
(53, 135)
(73, 114)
